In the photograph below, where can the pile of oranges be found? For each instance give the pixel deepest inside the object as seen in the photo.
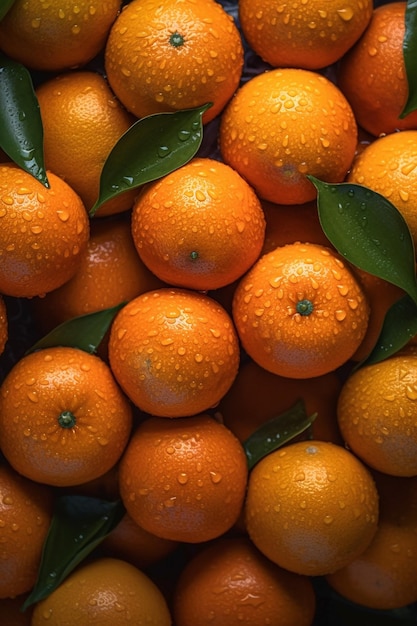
(231, 306)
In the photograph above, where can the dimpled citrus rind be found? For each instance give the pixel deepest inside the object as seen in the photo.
(312, 507)
(284, 124)
(175, 352)
(285, 341)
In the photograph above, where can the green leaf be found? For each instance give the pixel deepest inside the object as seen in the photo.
(79, 524)
(369, 231)
(5, 5)
(410, 56)
(21, 130)
(277, 431)
(84, 332)
(400, 324)
(152, 147)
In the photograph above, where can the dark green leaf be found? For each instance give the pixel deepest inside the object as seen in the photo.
(5, 5)
(153, 147)
(79, 524)
(400, 324)
(410, 56)
(84, 332)
(369, 231)
(21, 130)
(277, 431)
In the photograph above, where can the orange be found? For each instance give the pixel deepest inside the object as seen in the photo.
(384, 576)
(131, 543)
(43, 233)
(104, 592)
(200, 227)
(166, 55)
(288, 223)
(110, 272)
(306, 35)
(183, 479)
(381, 295)
(372, 74)
(284, 124)
(82, 121)
(4, 328)
(377, 414)
(25, 514)
(312, 507)
(300, 312)
(51, 36)
(174, 352)
(257, 396)
(388, 166)
(229, 583)
(63, 419)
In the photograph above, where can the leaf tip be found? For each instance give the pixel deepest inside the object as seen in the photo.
(315, 181)
(45, 182)
(94, 208)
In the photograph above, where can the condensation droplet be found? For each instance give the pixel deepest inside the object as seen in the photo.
(346, 14)
(216, 477)
(182, 478)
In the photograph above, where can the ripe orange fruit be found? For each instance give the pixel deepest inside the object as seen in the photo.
(25, 515)
(170, 55)
(372, 74)
(377, 414)
(384, 576)
(4, 328)
(63, 419)
(287, 223)
(284, 124)
(51, 36)
(43, 233)
(388, 166)
(257, 396)
(110, 273)
(104, 592)
(229, 583)
(174, 352)
(200, 227)
(306, 35)
(183, 479)
(381, 295)
(300, 312)
(82, 121)
(312, 507)
(131, 543)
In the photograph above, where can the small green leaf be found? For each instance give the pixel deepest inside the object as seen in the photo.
(275, 432)
(79, 524)
(84, 332)
(21, 129)
(369, 231)
(410, 56)
(5, 5)
(153, 147)
(400, 324)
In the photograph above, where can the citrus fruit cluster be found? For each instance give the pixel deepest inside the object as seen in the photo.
(189, 391)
